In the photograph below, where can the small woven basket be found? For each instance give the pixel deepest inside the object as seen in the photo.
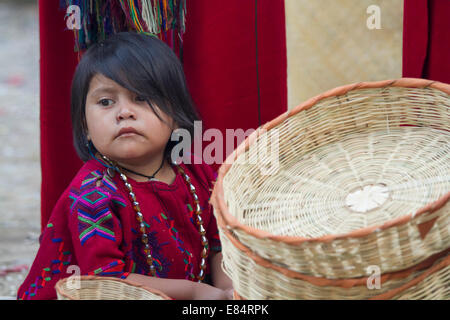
(105, 288)
(356, 177)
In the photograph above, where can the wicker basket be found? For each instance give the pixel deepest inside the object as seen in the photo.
(105, 288)
(360, 176)
(255, 278)
(433, 284)
(430, 285)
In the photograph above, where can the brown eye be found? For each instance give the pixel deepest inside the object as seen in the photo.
(140, 99)
(105, 102)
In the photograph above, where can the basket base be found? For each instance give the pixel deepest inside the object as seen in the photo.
(367, 198)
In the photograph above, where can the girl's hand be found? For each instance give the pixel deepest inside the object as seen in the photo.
(229, 294)
(202, 291)
(181, 289)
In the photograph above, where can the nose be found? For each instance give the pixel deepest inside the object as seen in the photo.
(126, 112)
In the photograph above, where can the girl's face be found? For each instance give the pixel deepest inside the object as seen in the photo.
(122, 126)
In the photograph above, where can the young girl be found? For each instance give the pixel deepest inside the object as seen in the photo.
(131, 212)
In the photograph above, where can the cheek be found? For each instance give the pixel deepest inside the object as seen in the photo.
(164, 129)
(97, 127)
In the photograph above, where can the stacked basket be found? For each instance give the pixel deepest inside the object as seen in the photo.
(344, 197)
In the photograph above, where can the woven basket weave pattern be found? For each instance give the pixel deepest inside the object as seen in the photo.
(434, 287)
(340, 144)
(368, 124)
(105, 288)
(349, 257)
(252, 280)
(361, 178)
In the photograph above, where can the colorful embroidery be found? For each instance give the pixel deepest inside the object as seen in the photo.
(93, 198)
(114, 268)
(215, 242)
(91, 194)
(91, 178)
(137, 255)
(189, 267)
(57, 265)
(100, 223)
(191, 212)
(92, 204)
(109, 183)
(120, 203)
(95, 176)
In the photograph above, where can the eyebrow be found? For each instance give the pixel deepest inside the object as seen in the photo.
(103, 89)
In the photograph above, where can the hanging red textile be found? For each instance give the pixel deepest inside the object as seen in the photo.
(426, 39)
(59, 161)
(236, 79)
(220, 58)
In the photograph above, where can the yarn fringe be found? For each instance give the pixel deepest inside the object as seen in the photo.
(165, 19)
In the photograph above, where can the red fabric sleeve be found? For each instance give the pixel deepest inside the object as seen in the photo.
(96, 233)
(53, 258)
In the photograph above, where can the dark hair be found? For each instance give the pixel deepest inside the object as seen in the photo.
(142, 64)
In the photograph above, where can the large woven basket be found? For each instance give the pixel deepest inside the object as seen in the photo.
(430, 285)
(105, 288)
(255, 278)
(360, 177)
(433, 284)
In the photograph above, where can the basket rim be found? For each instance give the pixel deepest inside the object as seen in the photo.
(217, 196)
(340, 282)
(59, 284)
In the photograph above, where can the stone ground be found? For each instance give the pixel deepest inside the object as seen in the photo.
(20, 175)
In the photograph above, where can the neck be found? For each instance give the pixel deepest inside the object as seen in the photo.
(148, 168)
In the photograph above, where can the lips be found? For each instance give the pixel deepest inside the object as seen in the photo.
(127, 130)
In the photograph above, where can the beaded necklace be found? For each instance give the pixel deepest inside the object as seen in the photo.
(142, 227)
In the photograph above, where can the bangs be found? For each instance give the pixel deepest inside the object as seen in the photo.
(144, 65)
(115, 65)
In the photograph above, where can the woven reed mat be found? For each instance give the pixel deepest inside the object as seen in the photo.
(329, 43)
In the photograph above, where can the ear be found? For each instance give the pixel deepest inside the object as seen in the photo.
(170, 122)
(85, 130)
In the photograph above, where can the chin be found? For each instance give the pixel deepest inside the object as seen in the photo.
(129, 151)
(132, 157)
(129, 157)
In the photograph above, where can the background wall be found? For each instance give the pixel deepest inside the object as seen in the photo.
(329, 44)
(20, 173)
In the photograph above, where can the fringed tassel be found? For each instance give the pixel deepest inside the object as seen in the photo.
(149, 14)
(101, 18)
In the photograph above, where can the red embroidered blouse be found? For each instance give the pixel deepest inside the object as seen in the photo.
(93, 226)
